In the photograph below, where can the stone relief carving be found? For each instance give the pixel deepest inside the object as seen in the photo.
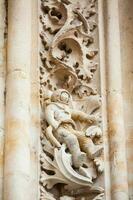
(71, 158)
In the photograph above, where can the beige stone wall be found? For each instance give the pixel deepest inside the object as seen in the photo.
(20, 157)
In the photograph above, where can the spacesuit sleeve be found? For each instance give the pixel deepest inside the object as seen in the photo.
(49, 116)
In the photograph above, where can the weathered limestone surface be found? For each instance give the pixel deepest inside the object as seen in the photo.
(2, 89)
(75, 47)
(17, 143)
(126, 36)
(116, 130)
(71, 138)
(35, 105)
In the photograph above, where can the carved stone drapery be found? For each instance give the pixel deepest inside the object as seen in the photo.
(71, 140)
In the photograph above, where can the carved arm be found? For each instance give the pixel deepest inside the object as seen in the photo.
(80, 115)
(49, 116)
(50, 136)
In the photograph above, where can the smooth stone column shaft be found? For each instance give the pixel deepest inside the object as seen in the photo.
(2, 88)
(103, 89)
(118, 165)
(17, 145)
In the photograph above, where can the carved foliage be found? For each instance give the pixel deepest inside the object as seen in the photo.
(71, 140)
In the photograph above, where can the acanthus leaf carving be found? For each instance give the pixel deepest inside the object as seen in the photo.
(72, 146)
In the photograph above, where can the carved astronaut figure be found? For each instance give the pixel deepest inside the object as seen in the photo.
(61, 117)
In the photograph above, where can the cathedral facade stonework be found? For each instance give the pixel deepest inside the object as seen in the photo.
(66, 100)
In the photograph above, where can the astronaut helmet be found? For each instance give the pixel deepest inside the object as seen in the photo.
(62, 96)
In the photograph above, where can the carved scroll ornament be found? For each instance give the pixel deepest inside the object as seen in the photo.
(71, 158)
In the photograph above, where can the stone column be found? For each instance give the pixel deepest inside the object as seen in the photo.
(103, 87)
(17, 145)
(126, 29)
(2, 88)
(35, 105)
(119, 183)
